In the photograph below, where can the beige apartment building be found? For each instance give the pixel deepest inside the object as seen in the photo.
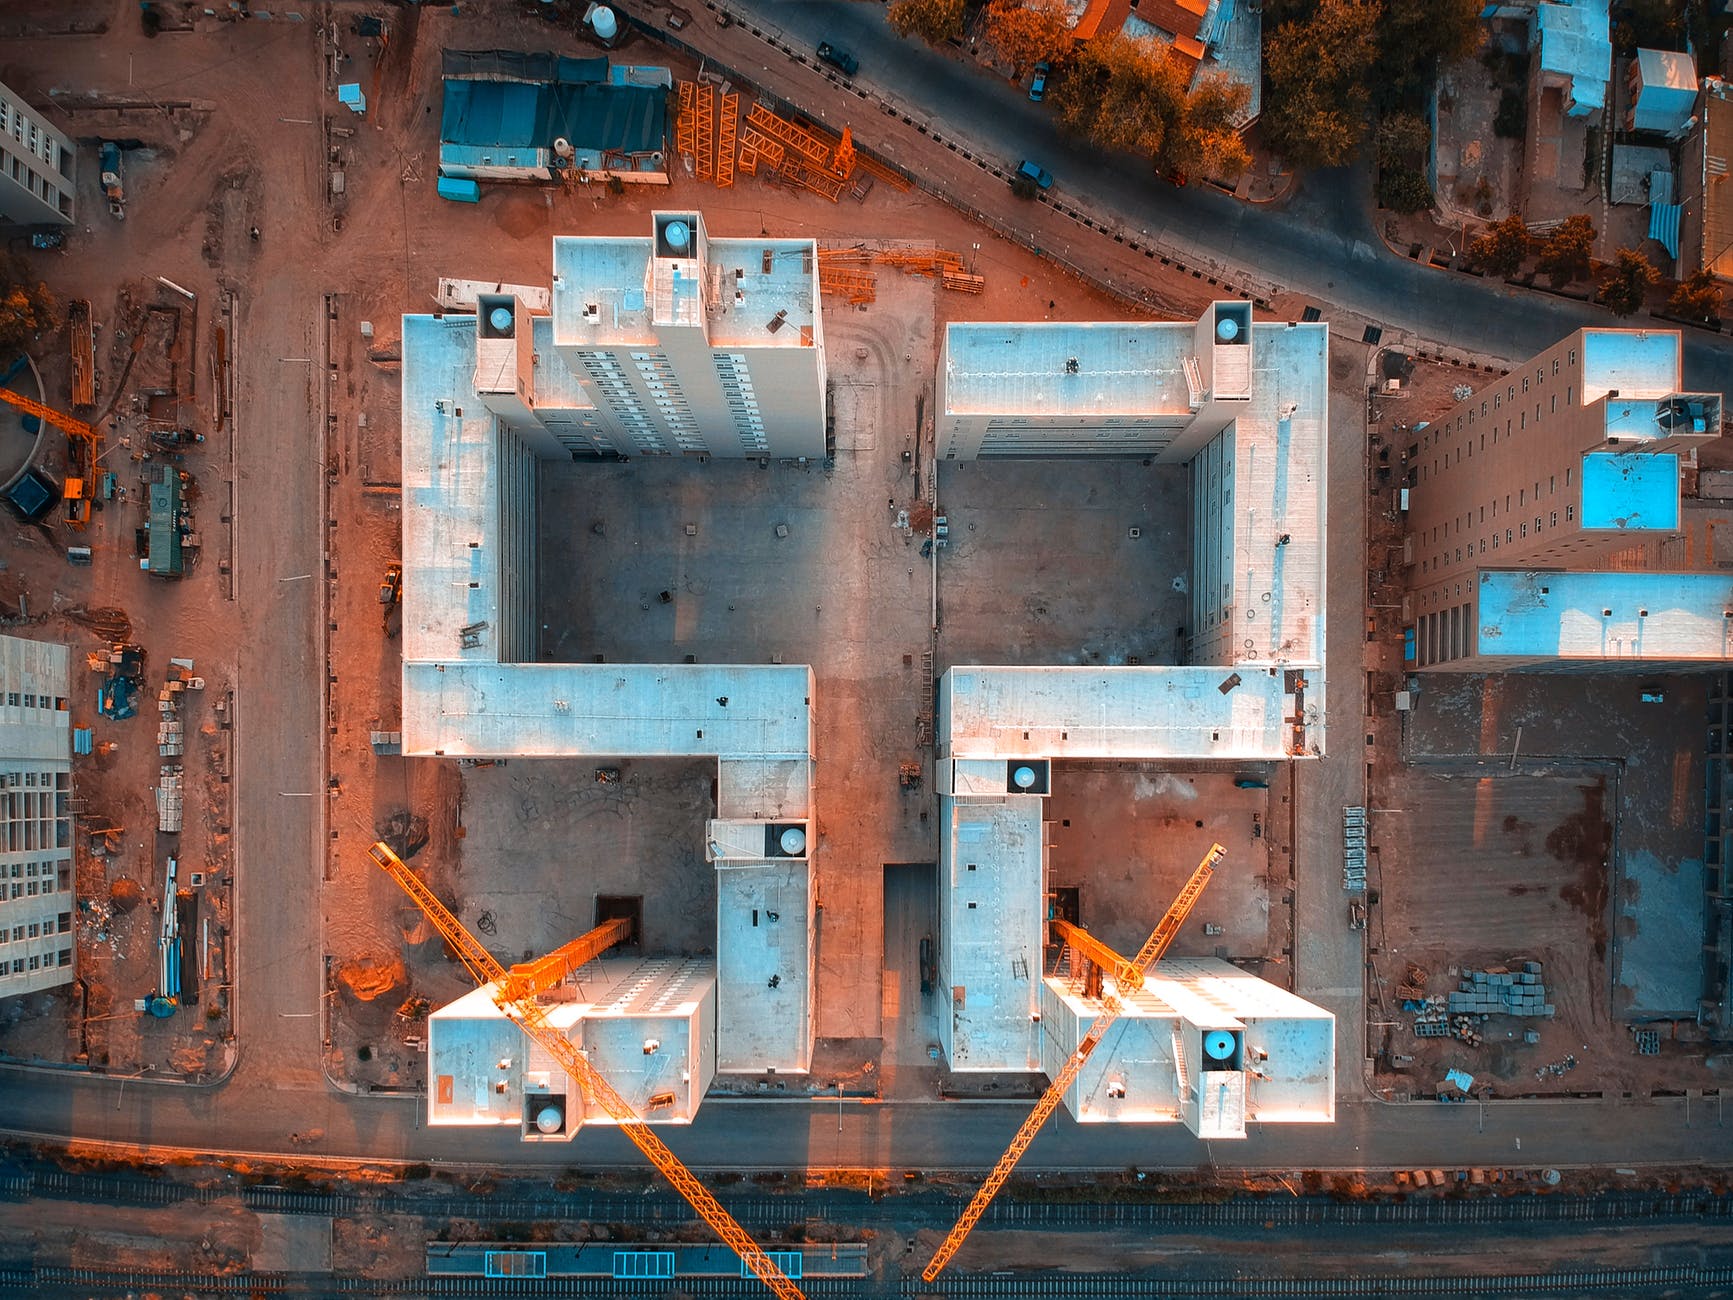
(1523, 495)
(37, 945)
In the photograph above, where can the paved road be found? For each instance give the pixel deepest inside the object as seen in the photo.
(1321, 244)
(954, 1135)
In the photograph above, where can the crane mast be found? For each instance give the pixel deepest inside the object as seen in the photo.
(1153, 948)
(514, 993)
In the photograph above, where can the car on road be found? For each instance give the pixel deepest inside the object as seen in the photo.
(1038, 87)
(1030, 177)
(838, 58)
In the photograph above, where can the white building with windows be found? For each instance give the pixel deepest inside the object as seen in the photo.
(37, 945)
(36, 166)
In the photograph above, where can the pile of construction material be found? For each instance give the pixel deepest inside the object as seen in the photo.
(1500, 992)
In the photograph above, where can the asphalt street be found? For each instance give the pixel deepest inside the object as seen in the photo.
(1321, 243)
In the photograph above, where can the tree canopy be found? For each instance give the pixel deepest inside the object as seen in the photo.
(934, 21)
(1697, 297)
(1627, 282)
(27, 309)
(1130, 95)
(1316, 72)
(1502, 247)
(1568, 252)
(1026, 34)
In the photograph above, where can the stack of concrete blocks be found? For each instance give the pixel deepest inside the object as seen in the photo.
(1502, 993)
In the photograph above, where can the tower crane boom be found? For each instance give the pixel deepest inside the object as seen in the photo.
(527, 1012)
(1153, 948)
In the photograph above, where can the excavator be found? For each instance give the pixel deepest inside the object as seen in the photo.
(83, 440)
(515, 991)
(1128, 977)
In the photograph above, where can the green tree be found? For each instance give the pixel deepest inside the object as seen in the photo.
(1316, 73)
(1502, 247)
(1568, 252)
(1697, 297)
(1416, 36)
(934, 21)
(1402, 188)
(1025, 34)
(1403, 138)
(1627, 282)
(1128, 95)
(1206, 138)
(27, 309)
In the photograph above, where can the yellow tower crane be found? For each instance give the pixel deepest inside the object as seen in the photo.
(84, 439)
(1132, 974)
(514, 992)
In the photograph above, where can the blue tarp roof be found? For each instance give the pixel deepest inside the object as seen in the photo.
(526, 115)
(1664, 226)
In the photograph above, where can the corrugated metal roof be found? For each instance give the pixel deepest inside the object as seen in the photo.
(592, 115)
(521, 65)
(1664, 226)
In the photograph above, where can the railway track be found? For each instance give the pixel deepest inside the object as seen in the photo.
(1677, 1280)
(776, 1211)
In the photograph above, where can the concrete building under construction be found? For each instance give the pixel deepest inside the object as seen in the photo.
(682, 344)
(1243, 407)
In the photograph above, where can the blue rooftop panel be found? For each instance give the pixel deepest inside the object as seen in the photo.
(1674, 617)
(1630, 492)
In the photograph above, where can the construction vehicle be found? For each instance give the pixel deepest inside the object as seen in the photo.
(391, 586)
(515, 992)
(82, 440)
(1128, 977)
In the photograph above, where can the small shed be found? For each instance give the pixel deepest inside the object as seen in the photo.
(1663, 86)
(1576, 52)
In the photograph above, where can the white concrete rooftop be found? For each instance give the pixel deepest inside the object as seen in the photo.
(1288, 1046)
(623, 710)
(1151, 713)
(764, 967)
(1280, 487)
(450, 495)
(1633, 363)
(1606, 615)
(990, 960)
(737, 299)
(1018, 368)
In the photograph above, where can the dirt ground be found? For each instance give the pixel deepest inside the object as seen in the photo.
(192, 195)
(1585, 854)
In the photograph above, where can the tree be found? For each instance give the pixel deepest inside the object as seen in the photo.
(1402, 188)
(1025, 34)
(1316, 72)
(27, 309)
(1415, 37)
(1403, 138)
(934, 21)
(1567, 253)
(1627, 282)
(1697, 297)
(1205, 138)
(1129, 95)
(1502, 247)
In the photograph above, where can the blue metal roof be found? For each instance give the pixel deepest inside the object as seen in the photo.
(1664, 226)
(1630, 491)
(532, 115)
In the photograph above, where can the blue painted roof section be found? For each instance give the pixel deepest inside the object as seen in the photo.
(1630, 491)
(531, 115)
(1664, 225)
(1612, 615)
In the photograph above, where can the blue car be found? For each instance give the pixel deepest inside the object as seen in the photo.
(1038, 89)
